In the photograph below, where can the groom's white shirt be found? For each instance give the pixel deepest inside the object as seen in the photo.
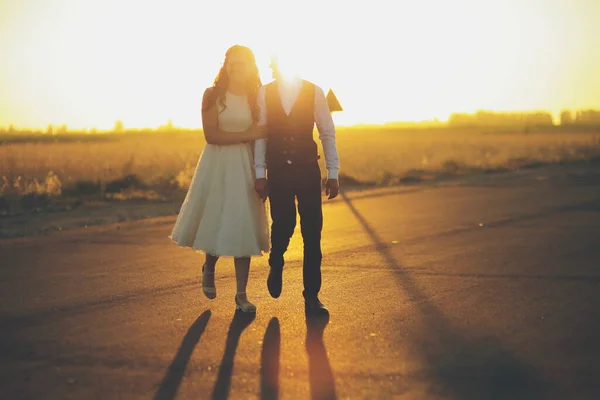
(288, 93)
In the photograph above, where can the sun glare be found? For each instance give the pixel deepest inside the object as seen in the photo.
(90, 63)
(288, 64)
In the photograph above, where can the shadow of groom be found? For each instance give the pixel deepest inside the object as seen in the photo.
(320, 374)
(269, 361)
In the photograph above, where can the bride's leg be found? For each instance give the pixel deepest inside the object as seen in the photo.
(242, 268)
(208, 276)
(210, 262)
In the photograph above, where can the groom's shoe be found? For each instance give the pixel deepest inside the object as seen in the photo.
(313, 305)
(274, 281)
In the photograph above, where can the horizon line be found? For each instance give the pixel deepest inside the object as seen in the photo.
(434, 121)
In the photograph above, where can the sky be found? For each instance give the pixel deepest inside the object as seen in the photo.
(87, 63)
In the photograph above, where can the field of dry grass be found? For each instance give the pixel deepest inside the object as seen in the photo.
(160, 165)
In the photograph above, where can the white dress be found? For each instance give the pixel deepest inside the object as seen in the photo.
(222, 215)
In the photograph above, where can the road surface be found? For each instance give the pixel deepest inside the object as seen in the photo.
(478, 290)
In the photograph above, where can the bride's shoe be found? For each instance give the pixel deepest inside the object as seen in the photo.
(244, 305)
(209, 291)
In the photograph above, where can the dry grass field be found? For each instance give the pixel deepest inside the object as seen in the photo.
(159, 165)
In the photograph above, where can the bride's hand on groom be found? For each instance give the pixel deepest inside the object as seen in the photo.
(257, 132)
(262, 188)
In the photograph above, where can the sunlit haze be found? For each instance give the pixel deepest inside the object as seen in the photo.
(87, 63)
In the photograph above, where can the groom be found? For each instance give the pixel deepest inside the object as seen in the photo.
(290, 108)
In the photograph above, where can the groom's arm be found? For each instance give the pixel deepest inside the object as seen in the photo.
(326, 129)
(260, 150)
(260, 145)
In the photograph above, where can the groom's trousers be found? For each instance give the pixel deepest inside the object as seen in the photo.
(289, 184)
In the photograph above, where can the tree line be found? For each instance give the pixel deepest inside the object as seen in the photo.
(479, 119)
(535, 119)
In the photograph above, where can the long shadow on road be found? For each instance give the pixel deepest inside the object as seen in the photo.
(320, 374)
(321, 380)
(456, 365)
(172, 380)
(239, 323)
(269, 361)
(170, 384)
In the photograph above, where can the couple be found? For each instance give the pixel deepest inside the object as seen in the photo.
(259, 145)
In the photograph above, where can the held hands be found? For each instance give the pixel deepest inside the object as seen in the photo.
(332, 188)
(262, 189)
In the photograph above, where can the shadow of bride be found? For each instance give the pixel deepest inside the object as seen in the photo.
(320, 374)
(170, 383)
(269, 361)
(239, 323)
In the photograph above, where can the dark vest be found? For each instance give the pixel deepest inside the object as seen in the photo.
(290, 137)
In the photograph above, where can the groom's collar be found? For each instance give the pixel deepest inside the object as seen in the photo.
(289, 83)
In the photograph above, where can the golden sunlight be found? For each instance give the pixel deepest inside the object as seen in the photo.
(288, 67)
(90, 63)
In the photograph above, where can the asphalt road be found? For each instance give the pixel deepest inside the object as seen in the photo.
(481, 290)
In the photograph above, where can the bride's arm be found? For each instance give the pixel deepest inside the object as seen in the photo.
(214, 135)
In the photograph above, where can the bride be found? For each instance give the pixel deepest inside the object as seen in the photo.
(222, 215)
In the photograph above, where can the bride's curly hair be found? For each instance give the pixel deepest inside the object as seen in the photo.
(217, 94)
